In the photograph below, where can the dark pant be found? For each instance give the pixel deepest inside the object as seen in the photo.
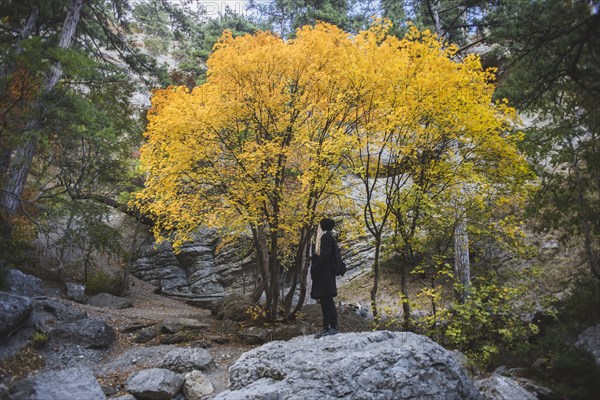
(330, 319)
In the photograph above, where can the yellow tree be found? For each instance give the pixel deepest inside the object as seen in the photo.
(430, 111)
(255, 149)
(260, 147)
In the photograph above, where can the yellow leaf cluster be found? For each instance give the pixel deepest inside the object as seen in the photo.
(264, 141)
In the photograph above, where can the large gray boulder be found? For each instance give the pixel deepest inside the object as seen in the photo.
(154, 384)
(371, 365)
(498, 387)
(185, 360)
(48, 312)
(14, 311)
(92, 333)
(24, 284)
(589, 340)
(68, 384)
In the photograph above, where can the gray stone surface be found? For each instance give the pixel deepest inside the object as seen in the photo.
(184, 359)
(589, 340)
(154, 384)
(24, 284)
(14, 311)
(67, 384)
(135, 358)
(197, 386)
(91, 332)
(498, 387)
(183, 324)
(235, 307)
(75, 292)
(370, 365)
(107, 300)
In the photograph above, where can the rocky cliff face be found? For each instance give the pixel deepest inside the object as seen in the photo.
(203, 268)
(207, 269)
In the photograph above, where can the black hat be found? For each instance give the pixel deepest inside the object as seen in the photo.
(327, 224)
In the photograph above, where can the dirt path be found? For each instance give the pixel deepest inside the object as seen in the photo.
(149, 309)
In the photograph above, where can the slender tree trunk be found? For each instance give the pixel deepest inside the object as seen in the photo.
(374, 308)
(22, 156)
(303, 279)
(406, 311)
(263, 264)
(297, 270)
(462, 266)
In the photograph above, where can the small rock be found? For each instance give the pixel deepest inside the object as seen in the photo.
(107, 390)
(146, 334)
(179, 337)
(183, 324)
(254, 335)
(75, 292)
(154, 384)
(220, 340)
(498, 387)
(183, 360)
(197, 386)
(137, 325)
(107, 300)
(235, 307)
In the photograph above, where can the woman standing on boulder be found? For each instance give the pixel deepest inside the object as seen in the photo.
(322, 272)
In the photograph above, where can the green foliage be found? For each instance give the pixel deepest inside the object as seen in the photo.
(491, 321)
(102, 282)
(39, 339)
(285, 16)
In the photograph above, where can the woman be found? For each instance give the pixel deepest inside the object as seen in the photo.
(323, 276)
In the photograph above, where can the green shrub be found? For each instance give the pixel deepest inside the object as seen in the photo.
(489, 323)
(101, 282)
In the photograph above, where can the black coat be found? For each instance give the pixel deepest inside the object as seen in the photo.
(322, 270)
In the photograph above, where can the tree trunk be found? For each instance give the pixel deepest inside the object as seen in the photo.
(303, 279)
(297, 270)
(22, 156)
(462, 266)
(406, 311)
(375, 278)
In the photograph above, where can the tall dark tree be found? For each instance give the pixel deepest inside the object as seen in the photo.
(550, 63)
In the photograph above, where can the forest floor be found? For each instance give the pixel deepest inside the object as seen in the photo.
(220, 338)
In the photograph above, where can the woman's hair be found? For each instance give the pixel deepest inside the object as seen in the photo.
(320, 233)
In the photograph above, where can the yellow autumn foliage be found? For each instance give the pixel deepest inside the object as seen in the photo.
(263, 144)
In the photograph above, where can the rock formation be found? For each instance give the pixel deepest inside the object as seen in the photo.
(206, 270)
(373, 365)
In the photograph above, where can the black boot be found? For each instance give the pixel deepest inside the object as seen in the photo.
(323, 332)
(331, 331)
